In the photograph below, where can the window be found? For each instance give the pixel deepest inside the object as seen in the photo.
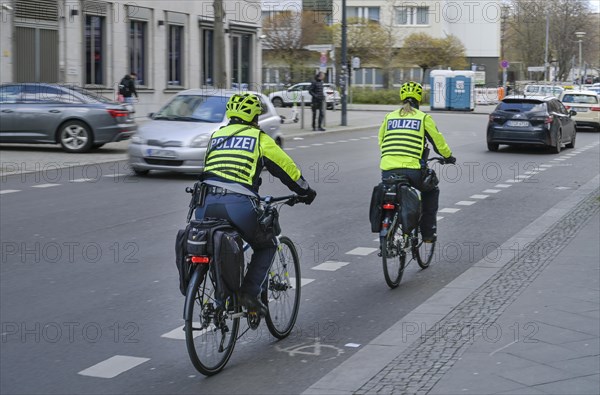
(363, 13)
(94, 49)
(412, 15)
(137, 50)
(208, 66)
(175, 48)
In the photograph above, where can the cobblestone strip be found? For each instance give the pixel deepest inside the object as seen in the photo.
(423, 364)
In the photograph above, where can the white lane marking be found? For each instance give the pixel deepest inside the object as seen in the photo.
(479, 196)
(353, 139)
(542, 169)
(376, 240)
(330, 266)
(465, 203)
(303, 281)
(364, 251)
(329, 142)
(84, 180)
(523, 176)
(316, 144)
(531, 172)
(545, 165)
(116, 175)
(45, 185)
(438, 217)
(302, 146)
(514, 181)
(449, 210)
(289, 149)
(298, 138)
(353, 345)
(562, 188)
(560, 159)
(342, 141)
(491, 191)
(177, 333)
(9, 191)
(501, 186)
(365, 138)
(113, 366)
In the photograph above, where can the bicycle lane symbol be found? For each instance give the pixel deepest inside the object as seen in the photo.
(307, 348)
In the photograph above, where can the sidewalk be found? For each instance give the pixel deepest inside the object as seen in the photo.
(523, 322)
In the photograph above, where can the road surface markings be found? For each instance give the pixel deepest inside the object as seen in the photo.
(113, 366)
(513, 181)
(491, 191)
(562, 188)
(330, 266)
(316, 144)
(9, 191)
(545, 166)
(353, 345)
(364, 251)
(302, 146)
(45, 185)
(561, 159)
(177, 333)
(303, 281)
(116, 175)
(342, 141)
(479, 196)
(84, 180)
(438, 217)
(449, 210)
(542, 169)
(501, 186)
(465, 203)
(524, 177)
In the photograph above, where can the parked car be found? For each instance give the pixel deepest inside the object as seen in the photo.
(75, 118)
(175, 138)
(299, 92)
(587, 105)
(531, 120)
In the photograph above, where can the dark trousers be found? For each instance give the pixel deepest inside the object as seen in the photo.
(317, 106)
(239, 210)
(429, 200)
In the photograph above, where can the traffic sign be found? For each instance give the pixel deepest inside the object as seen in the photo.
(323, 57)
(505, 64)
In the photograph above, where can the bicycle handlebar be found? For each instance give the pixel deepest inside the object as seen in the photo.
(437, 159)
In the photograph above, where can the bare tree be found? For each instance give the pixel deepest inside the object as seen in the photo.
(219, 45)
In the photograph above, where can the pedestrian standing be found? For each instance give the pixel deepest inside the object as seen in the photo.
(318, 96)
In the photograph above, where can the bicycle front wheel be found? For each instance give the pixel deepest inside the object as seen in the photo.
(211, 327)
(423, 252)
(282, 295)
(394, 259)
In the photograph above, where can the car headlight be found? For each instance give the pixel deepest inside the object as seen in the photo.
(200, 141)
(136, 139)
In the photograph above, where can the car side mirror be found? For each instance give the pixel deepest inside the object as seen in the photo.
(572, 113)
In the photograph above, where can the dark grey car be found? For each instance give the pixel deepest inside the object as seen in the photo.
(77, 119)
(531, 120)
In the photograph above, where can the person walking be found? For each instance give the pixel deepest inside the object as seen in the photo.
(127, 89)
(318, 96)
(403, 137)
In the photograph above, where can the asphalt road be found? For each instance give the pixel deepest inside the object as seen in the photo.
(87, 263)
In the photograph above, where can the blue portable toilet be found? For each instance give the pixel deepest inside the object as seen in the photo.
(439, 99)
(462, 90)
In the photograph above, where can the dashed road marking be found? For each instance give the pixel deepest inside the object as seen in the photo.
(501, 186)
(491, 191)
(316, 144)
(522, 177)
(364, 251)
(514, 181)
(438, 218)
(302, 146)
(449, 210)
(45, 185)
(303, 281)
(177, 333)
(330, 266)
(479, 196)
(9, 191)
(545, 165)
(562, 188)
(113, 366)
(465, 203)
(116, 175)
(84, 180)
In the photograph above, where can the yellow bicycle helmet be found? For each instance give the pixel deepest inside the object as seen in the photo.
(244, 106)
(411, 89)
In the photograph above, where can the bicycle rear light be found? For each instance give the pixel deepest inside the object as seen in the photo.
(388, 206)
(200, 259)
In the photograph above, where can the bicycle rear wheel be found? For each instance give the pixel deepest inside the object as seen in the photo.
(210, 330)
(422, 251)
(282, 295)
(394, 259)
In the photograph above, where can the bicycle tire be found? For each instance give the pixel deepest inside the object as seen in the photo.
(423, 252)
(203, 343)
(282, 295)
(393, 276)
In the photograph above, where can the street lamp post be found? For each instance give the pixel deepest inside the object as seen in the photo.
(580, 36)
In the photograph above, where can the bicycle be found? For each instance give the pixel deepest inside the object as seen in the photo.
(211, 328)
(396, 243)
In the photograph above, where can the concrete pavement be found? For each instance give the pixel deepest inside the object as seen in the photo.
(523, 320)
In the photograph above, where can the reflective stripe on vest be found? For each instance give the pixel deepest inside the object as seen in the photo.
(403, 140)
(236, 158)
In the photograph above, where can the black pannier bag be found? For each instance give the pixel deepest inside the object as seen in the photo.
(410, 208)
(228, 261)
(375, 210)
(195, 240)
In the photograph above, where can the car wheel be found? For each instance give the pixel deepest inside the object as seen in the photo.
(140, 172)
(572, 142)
(75, 137)
(557, 147)
(493, 147)
(277, 102)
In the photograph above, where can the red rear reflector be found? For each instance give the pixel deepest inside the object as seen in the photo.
(548, 120)
(117, 113)
(388, 206)
(595, 108)
(200, 259)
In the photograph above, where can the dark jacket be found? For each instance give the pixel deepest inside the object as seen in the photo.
(127, 87)
(316, 91)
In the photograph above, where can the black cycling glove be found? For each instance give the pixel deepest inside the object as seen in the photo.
(450, 160)
(311, 194)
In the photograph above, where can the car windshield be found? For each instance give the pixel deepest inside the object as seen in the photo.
(583, 99)
(521, 106)
(194, 108)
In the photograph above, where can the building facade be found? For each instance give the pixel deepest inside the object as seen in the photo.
(168, 44)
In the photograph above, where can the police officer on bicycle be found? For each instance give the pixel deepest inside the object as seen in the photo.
(235, 157)
(404, 152)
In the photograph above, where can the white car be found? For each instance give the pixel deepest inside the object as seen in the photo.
(587, 106)
(175, 138)
(299, 92)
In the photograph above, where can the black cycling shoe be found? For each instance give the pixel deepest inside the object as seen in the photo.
(252, 303)
(430, 239)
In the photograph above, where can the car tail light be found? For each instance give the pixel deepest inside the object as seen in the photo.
(595, 108)
(118, 113)
(200, 259)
